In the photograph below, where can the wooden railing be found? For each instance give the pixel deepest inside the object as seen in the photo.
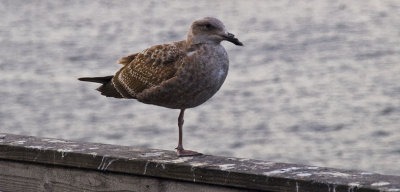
(45, 164)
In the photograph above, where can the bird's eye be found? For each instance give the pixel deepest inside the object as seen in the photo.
(208, 26)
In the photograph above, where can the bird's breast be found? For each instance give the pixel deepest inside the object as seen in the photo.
(204, 73)
(206, 65)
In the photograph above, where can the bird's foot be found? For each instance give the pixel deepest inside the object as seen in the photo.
(186, 153)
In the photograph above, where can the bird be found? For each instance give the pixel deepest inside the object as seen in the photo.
(177, 75)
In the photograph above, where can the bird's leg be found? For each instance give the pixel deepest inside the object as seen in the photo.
(179, 150)
(180, 125)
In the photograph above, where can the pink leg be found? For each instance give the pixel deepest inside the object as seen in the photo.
(179, 150)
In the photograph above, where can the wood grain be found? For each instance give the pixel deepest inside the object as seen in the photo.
(31, 177)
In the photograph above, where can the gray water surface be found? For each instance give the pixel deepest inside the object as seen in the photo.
(317, 82)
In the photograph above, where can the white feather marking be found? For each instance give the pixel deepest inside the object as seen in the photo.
(190, 53)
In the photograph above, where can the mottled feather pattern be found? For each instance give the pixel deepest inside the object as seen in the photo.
(148, 69)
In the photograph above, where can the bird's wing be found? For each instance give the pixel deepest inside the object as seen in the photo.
(148, 69)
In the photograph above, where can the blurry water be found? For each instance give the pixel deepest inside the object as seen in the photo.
(318, 82)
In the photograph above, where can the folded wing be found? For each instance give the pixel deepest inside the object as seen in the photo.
(147, 69)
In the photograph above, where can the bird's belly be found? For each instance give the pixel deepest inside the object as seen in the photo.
(188, 90)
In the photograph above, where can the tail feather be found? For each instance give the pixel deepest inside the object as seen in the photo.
(107, 89)
(103, 80)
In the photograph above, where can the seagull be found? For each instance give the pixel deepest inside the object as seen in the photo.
(177, 75)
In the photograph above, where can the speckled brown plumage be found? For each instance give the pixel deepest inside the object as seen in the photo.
(177, 75)
(147, 69)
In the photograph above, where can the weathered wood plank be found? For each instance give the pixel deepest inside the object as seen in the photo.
(33, 177)
(206, 169)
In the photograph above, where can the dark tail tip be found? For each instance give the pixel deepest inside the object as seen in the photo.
(107, 89)
(102, 80)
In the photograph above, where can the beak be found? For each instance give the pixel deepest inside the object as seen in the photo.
(231, 38)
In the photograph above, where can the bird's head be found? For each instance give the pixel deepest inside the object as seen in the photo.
(210, 30)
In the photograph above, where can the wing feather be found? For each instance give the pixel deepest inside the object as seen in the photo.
(127, 59)
(148, 69)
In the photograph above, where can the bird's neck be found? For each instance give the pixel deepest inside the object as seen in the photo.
(193, 40)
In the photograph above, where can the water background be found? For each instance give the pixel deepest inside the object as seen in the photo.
(317, 82)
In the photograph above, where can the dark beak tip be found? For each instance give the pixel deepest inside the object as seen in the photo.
(231, 38)
(237, 42)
